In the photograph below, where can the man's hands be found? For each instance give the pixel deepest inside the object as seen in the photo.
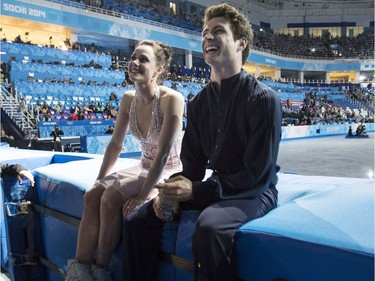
(27, 174)
(176, 189)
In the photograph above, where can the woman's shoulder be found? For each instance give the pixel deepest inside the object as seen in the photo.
(170, 94)
(129, 95)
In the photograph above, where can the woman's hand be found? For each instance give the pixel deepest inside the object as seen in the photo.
(132, 205)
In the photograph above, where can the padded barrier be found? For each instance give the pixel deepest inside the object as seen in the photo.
(21, 244)
(61, 187)
(323, 228)
(327, 235)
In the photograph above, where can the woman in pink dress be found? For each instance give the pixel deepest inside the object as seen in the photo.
(153, 114)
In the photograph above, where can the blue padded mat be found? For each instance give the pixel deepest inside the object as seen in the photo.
(61, 187)
(327, 235)
(323, 228)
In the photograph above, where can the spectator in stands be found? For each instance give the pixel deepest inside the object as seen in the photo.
(17, 170)
(107, 108)
(18, 39)
(153, 115)
(74, 117)
(85, 108)
(37, 110)
(77, 109)
(110, 130)
(57, 134)
(92, 107)
(113, 113)
(75, 46)
(233, 129)
(4, 135)
(29, 134)
(22, 106)
(113, 97)
(58, 107)
(46, 112)
(99, 107)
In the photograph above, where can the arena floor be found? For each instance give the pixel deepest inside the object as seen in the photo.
(327, 156)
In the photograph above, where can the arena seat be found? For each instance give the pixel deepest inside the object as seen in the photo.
(17, 51)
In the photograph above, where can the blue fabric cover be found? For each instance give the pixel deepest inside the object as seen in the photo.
(323, 228)
(327, 235)
(14, 232)
(61, 187)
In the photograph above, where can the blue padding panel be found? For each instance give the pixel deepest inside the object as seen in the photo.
(65, 157)
(323, 228)
(168, 245)
(61, 187)
(31, 159)
(176, 239)
(15, 231)
(75, 128)
(99, 143)
(329, 235)
(184, 243)
(291, 186)
(271, 257)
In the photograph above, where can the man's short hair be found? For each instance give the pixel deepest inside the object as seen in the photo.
(239, 23)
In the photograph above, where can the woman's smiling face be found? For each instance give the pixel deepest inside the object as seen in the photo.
(143, 64)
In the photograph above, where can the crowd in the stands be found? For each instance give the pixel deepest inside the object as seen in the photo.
(313, 110)
(325, 46)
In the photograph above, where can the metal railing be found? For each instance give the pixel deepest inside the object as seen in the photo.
(10, 104)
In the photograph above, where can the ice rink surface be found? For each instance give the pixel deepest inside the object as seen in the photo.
(335, 156)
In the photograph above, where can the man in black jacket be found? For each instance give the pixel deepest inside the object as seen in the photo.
(56, 134)
(234, 130)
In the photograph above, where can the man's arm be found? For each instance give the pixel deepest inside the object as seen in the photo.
(17, 170)
(11, 169)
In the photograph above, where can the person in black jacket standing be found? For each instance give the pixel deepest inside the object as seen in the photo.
(56, 134)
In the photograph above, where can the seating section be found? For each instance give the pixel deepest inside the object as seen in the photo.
(157, 14)
(84, 77)
(19, 52)
(41, 71)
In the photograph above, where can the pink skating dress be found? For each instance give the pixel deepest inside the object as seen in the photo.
(129, 181)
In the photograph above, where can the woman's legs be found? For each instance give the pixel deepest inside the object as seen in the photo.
(120, 185)
(110, 225)
(88, 232)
